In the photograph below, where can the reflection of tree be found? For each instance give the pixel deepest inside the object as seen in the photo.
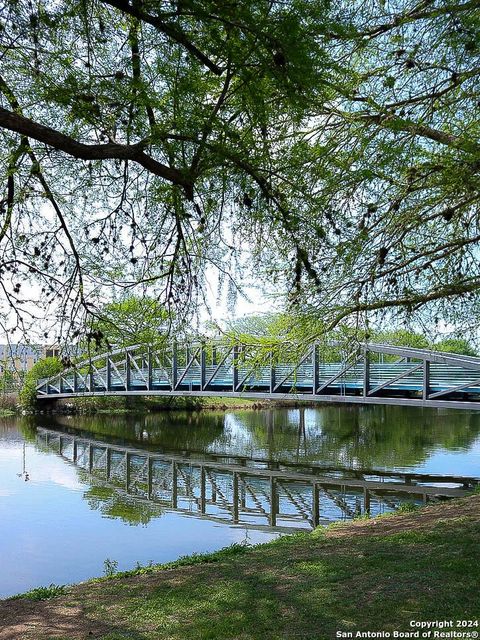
(25, 425)
(368, 436)
(113, 504)
(176, 430)
(358, 436)
(400, 436)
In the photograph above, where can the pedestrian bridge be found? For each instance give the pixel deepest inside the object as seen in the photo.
(367, 374)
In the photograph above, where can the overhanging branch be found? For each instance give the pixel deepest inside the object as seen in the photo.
(110, 151)
(408, 301)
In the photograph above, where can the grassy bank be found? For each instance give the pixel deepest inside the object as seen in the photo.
(371, 575)
(113, 404)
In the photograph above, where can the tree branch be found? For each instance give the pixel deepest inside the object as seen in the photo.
(395, 123)
(418, 13)
(111, 151)
(172, 31)
(408, 301)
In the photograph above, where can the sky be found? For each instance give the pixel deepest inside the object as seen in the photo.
(258, 302)
(255, 302)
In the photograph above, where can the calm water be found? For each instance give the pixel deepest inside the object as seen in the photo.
(75, 492)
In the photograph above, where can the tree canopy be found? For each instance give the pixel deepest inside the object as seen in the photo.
(130, 321)
(330, 148)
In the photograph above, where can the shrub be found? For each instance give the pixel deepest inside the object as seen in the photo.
(41, 369)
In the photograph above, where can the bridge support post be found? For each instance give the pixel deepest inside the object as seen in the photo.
(316, 369)
(235, 369)
(273, 501)
(149, 478)
(174, 484)
(128, 371)
(108, 463)
(272, 373)
(366, 500)
(426, 379)
(203, 366)
(109, 374)
(235, 497)
(90, 458)
(174, 365)
(127, 471)
(75, 381)
(366, 373)
(150, 369)
(202, 490)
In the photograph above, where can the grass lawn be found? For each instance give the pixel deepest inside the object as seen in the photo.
(372, 575)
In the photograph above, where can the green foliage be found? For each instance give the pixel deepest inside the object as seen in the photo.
(407, 507)
(42, 369)
(110, 567)
(401, 337)
(226, 553)
(131, 321)
(455, 345)
(335, 144)
(42, 593)
(287, 335)
(7, 378)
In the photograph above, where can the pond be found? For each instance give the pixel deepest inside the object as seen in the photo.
(81, 494)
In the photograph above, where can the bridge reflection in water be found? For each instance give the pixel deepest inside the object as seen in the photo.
(239, 490)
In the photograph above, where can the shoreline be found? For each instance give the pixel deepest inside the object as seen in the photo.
(123, 406)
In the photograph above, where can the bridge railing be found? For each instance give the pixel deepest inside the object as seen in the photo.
(371, 372)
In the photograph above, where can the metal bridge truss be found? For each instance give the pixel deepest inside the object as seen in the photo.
(373, 374)
(240, 491)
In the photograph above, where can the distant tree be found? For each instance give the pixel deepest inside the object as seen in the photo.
(287, 336)
(7, 378)
(130, 321)
(401, 337)
(455, 345)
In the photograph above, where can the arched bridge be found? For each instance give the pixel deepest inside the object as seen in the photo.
(369, 374)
